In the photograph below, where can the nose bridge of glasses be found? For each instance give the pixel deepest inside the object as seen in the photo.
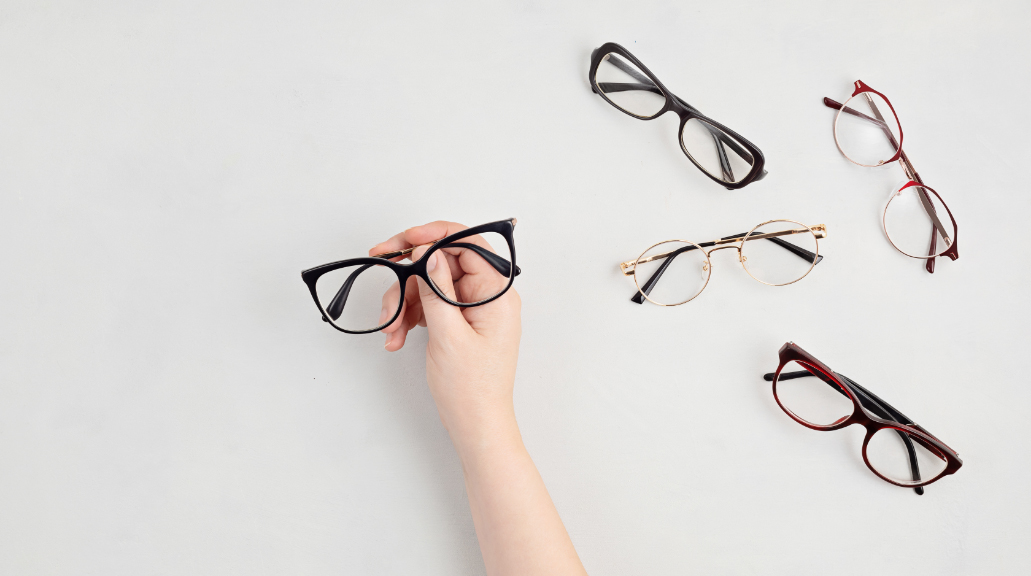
(726, 247)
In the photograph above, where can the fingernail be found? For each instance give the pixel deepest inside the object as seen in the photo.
(383, 316)
(387, 343)
(431, 263)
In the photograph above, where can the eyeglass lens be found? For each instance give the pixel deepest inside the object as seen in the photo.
(781, 259)
(485, 260)
(682, 267)
(353, 297)
(810, 398)
(867, 130)
(909, 226)
(893, 453)
(627, 87)
(715, 151)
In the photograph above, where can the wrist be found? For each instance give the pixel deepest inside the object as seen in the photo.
(475, 442)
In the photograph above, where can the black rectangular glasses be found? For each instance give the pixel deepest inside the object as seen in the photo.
(364, 295)
(722, 154)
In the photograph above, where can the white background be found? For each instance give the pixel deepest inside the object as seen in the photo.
(171, 403)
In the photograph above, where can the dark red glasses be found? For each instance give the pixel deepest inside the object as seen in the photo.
(868, 133)
(896, 449)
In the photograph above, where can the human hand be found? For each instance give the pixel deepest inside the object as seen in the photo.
(470, 365)
(472, 352)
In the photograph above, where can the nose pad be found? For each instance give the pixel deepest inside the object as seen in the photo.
(742, 257)
(705, 270)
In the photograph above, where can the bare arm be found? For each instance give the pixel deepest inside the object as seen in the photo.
(471, 360)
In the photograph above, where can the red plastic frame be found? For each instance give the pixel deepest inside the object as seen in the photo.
(792, 352)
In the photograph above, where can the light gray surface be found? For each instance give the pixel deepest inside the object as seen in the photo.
(170, 402)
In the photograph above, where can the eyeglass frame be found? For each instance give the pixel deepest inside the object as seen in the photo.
(629, 267)
(907, 166)
(403, 272)
(865, 407)
(686, 112)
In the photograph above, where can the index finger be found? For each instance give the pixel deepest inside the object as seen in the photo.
(394, 244)
(429, 233)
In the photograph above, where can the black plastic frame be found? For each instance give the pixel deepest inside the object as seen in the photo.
(505, 228)
(686, 112)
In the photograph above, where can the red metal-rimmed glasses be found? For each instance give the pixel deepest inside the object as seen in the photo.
(868, 133)
(896, 449)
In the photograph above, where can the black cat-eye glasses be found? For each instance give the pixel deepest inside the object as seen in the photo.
(722, 154)
(363, 295)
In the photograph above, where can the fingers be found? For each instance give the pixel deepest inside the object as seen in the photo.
(479, 277)
(461, 261)
(396, 340)
(409, 316)
(395, 243)
(429, 233)
(390, 305)
(422, 306)
(439, 314)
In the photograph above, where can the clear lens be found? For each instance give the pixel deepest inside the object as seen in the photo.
(715, 151)
(485, 262)
(672, 272)
(889, 453)
(909, 226)
(867, 130)
(626, 86)
(800, 391)
(783, 258)
(354, 297)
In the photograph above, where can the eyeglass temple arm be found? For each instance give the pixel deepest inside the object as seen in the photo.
(718, 135)
(336, 306)
(907, 166)
(873, 403)
(638, 297)
(497, 262)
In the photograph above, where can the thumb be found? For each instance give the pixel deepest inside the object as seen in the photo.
(437, 311)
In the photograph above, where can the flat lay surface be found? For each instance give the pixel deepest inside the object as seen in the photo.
(171, 402)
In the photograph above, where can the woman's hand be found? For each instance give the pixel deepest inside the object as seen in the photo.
(470, 365)
(472, 352)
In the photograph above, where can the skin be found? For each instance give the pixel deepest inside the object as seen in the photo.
(471, 359)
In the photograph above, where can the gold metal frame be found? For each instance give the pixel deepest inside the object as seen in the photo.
(389, 255)
(818, 231)
(633, 267)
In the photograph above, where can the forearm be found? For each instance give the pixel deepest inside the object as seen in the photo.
(518, 527)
